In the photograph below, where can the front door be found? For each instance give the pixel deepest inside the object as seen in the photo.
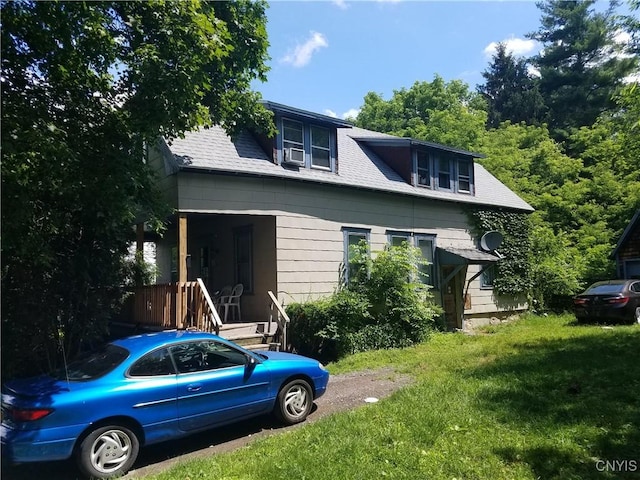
(452, 295)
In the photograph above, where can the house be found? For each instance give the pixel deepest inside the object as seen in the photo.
(278, 214)
(627, 251)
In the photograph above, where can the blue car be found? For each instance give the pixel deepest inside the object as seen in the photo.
(147, 389)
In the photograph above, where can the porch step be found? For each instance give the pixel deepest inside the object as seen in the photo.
(240, 329)
(243, 340)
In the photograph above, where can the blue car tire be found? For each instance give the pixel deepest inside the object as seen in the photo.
(108, 451)
(294, 402)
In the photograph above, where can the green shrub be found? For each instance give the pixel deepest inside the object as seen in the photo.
(307, 320)
(374, 337)
(318, 328)
(383, 306)
(397, 296)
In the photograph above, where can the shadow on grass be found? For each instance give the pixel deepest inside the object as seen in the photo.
(580, 395)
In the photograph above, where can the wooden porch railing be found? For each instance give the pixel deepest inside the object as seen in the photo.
(278, 314)
(175, 305)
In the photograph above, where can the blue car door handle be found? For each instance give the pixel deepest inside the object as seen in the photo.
(194, 388)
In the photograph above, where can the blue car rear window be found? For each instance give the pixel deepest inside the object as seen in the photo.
(93, 365)
(607, 289)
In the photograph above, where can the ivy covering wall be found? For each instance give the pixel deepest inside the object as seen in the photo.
(513, 275)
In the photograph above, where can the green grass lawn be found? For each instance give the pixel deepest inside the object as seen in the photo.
(540, 398)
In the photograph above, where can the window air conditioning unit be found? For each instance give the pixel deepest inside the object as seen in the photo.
(294, 156)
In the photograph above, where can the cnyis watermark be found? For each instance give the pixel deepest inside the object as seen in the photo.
(620, 466)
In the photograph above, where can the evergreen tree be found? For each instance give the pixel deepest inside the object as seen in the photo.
(581, 65)
(511, 93)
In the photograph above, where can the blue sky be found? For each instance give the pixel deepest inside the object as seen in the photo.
(327, 55)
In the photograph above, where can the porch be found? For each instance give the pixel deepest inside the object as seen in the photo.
(200, 256)
(188, 305)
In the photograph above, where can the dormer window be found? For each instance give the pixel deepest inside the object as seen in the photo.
(307, 145)
(293, 141)
(424, 172)
(443, 171)
(305, 140)
(464, 176)
(320, 147)
(292, 134)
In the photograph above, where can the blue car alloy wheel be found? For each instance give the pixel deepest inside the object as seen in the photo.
(108, 451)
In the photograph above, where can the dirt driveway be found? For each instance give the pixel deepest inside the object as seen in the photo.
(344, 393)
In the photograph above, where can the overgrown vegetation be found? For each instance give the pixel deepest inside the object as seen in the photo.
(513, 275)
(85, 85)
(541, 398)
(384, 304)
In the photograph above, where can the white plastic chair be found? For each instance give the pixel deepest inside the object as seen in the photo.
(232, 302)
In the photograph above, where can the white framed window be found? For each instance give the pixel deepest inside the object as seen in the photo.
(398, 238)
(320, 147)
(352, 238)
(427, 246)
(423, 169)
(443, 171)
(293, 141)
(443, 164)
(488, 277)
(307, 145)
(464, 176)
(292, 134)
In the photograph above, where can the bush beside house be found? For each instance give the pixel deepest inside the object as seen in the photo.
(383, 303)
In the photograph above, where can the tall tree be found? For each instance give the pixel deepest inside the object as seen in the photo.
(511, 93)
(631, 23)
(437, 111)
(84, 86)
(581, 64)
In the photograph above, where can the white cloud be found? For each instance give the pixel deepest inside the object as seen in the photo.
(633, 78)
(351, 113)
(515, 46)
(533, 71)
(622, 42)
(341, 4)
(622, 37)
(302, 53)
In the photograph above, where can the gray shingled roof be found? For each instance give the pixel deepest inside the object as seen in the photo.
(212, 150)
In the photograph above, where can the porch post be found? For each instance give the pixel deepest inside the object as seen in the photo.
(182, 270)
(182, 247)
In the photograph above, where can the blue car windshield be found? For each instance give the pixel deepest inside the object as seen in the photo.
(606, 289)
(93, 365)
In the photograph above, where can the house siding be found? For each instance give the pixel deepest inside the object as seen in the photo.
(166, 183)
(631, 249)
(628, 257)
(309, 222)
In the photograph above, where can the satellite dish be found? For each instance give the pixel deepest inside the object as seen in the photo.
(491, 240)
